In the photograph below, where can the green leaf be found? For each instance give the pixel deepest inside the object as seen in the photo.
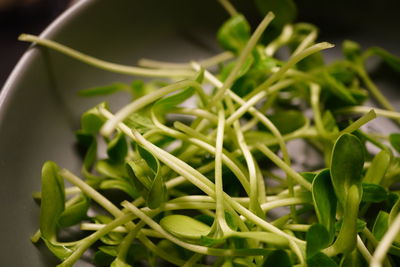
(346, 165)
(353, 259)
(373, 193)
(111, 238)
(184, 227)
(170, 102)
(390, 59)
(139, 121)
(53, 200)
(117, 148)
(234, 33)
(60, 251)
(378, 167)
(395, 141)
(337, 88)
(258, 137)
(104, 90)
(320, 259)
(329, 122)
(351, 50)
(285, 11)
(288, 121)
(325, 201)
(75, 213)
(360, 225)
(381, 225)
(119, 263)
(158, 192)
(111, 169)
(92, 120)
(278, 258)
(122, 185)
(318, 238)
(102, 259)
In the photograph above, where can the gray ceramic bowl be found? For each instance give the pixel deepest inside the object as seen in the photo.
(39, 107)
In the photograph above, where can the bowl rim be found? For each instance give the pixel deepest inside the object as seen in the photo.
(29, 55)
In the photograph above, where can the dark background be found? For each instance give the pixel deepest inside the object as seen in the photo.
(370, 22)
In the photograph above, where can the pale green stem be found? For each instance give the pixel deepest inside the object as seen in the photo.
(363, 250)
(206, 185)
(145, 100)
(205, 63)
(254, 205)
(364, 109)
(192, 247)
(228, 7)
(242, 58)
(289, 64)
(382, 100)
(385, 243)
(360, 122)
(297, 227)
(286, 168)
(101, 64)
(219, 191)
(307, 41)
(282, 39)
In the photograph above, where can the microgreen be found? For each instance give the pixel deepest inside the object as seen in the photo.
(208, 177)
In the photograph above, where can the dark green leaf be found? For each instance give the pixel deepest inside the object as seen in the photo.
(278, 258)
(346, 165)
(319, 260)
(53, 200)
(117, 148)
(395, 141)
(104, 90)
(102, 259)
(288, 121)
(390, 59)
(158, 192)
(325, 201)
(337, 88)
(234, 33)
(373, 193)
(75, 212)
(318, 238)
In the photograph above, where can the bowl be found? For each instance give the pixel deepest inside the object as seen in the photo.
(40, 109)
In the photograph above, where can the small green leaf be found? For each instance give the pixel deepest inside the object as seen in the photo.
(234, 33)
(395, 141)
(119, 263)
(318, 238)
(92, 120)
(118, 184)
(75, 213)
(325, 201)
(158, 192)
(278, 258)
(381, 225)
(390, 59)
(378, 168)
(117, 148)
(351, 50)
(60, 251)
(171, 102)
(346, 165)
(53, 200)
(319, 260)
(288, 121)
(104, 90)
(139, 121)
(373, 193)
(184, 227)
(337, 88)
(111, 169)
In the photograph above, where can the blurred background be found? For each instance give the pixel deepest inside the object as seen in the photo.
(18, 16)
(369, 22)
